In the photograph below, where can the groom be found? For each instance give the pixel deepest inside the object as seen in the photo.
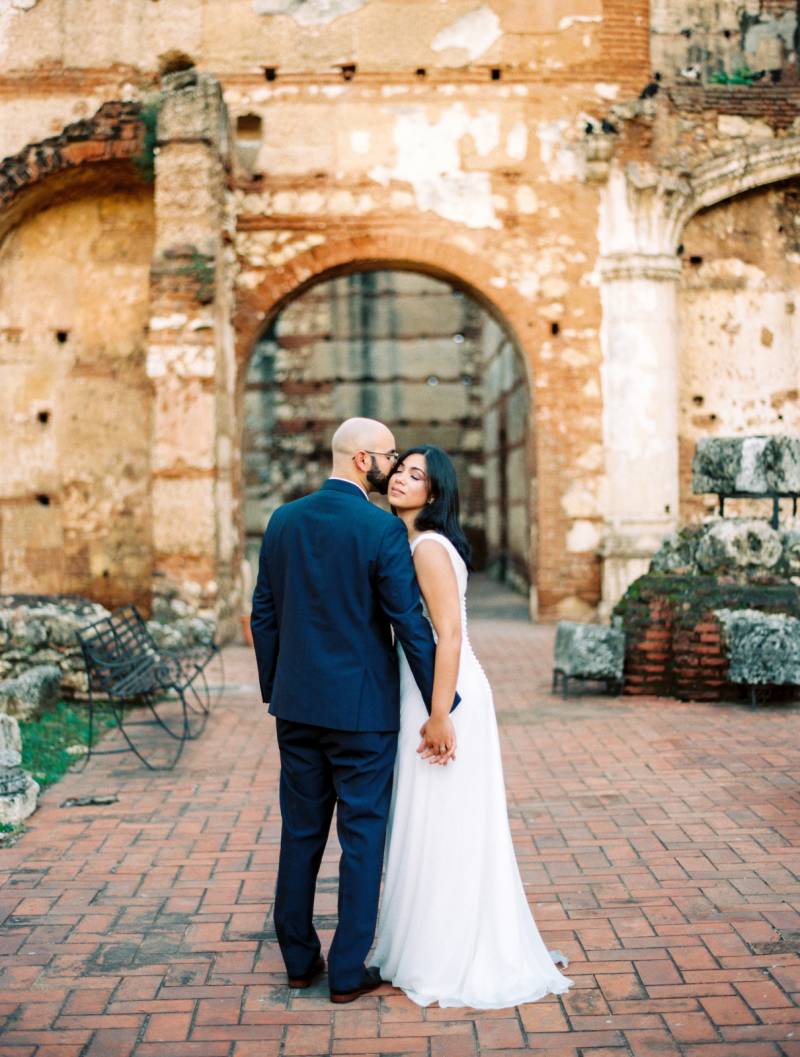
(335, 576)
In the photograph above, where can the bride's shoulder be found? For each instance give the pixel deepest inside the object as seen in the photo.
(430, 535)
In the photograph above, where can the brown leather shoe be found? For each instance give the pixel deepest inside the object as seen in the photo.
(370, 982)
(316, 970)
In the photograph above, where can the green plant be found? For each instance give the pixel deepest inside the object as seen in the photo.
(741, 75)
(145, 160)
(56, 739)
(201, 268)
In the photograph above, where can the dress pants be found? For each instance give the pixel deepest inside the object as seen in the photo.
(322, 768)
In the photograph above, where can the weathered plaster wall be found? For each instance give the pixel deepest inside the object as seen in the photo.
(75, 402)
(483, 184)
(444, 137)
(695, 40)
(739, 325)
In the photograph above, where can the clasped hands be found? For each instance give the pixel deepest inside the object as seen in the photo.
(438, 743)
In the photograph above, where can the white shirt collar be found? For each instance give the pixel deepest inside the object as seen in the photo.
(348, 481)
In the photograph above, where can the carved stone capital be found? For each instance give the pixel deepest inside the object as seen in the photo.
(661, 267)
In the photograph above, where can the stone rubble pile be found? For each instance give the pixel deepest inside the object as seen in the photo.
(740, 549)
(30, 693)
(40, 631)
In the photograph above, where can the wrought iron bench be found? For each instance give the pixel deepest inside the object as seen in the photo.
(125, 666)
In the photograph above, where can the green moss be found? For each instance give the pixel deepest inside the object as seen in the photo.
(145, 160)
(692, 597)
(46, 740)
(741, 75)
(201, 268)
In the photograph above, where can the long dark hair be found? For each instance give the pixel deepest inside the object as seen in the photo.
(440, 514)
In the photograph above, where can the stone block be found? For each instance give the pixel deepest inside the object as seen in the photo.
(18, 791)
(763, 648)
(734, 544)
(753, 466)
(31, 692)
(589, 651)
(192, 109)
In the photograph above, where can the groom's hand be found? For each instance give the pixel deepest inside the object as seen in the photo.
(438, 743)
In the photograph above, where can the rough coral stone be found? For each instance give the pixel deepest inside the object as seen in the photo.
(764, 648)
(734, 544)
(31, 692)
(589, 651)
(756, 466)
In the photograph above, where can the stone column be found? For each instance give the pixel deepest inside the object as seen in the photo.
(641, 348)
(187, 359)
(18, 791)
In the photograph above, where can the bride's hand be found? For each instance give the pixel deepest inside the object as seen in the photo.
(438, 743)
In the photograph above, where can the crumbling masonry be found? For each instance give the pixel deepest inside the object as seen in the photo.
(610, 188)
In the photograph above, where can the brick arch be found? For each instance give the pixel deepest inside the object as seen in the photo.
(85, 157)
(257, 308)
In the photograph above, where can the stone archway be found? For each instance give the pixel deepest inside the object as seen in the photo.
(260, 307)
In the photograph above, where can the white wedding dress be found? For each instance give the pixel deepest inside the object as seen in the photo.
(455, 926)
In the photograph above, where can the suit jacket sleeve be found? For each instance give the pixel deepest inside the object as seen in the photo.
(264, 625)
(399, 594)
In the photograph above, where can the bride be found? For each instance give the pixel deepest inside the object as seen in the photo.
(454, 926)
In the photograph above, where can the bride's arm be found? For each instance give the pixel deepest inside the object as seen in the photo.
(439, 587)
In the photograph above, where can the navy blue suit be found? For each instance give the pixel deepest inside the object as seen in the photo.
(335, 576)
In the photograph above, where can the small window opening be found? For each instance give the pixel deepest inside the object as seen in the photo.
(698, 400)
(248, 128)
(421, 72)
(270, 73)
(348, 71)
(695, 260)
(496, 73)
(43, 417)
(43, 500)
(62, 336)
(554, 328)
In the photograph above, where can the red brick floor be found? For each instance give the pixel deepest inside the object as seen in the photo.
(659, 843)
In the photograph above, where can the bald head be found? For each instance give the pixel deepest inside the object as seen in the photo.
(352, 444)
(360, 434)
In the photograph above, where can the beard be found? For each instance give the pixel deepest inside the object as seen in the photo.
(378, 480)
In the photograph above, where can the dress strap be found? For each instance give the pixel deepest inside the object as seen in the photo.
(431, 535)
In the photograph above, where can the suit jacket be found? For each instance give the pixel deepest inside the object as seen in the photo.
(335, 575)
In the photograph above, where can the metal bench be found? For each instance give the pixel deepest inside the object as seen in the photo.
(125, 666)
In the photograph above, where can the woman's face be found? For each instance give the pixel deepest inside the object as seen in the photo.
(408, 487)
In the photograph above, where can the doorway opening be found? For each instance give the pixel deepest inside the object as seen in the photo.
(417, 352)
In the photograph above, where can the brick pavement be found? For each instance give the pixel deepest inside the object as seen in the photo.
(658, 843)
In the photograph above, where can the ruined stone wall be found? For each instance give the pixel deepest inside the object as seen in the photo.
(447, 138)
(725, 41)
(75, 402)
(739, 326)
